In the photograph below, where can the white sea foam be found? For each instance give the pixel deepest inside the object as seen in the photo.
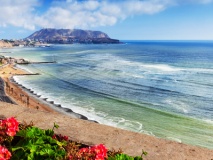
(161, 67)
(24, 68)
(147, 132)
(180, 106)
(127, 67)
(125, 124)
(84, 51)
(175, 139)
(210, 121)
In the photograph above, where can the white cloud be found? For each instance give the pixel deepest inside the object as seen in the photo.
(84, 14)
(17, 13)
(79, 14)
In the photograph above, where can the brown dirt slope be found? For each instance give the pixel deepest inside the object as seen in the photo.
(4, 44)
(92, 133)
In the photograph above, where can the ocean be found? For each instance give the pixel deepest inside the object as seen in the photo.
(160, 88)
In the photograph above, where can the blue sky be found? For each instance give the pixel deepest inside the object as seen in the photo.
(121, 19)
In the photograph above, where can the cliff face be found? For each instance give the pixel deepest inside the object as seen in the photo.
(71, 36)
(5, 44)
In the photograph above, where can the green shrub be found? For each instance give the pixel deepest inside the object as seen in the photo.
(127, 157)
(35, 143)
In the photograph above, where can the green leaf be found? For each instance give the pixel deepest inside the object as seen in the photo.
(123, 157)
(21, 133)
(49, 132)
(33, 148)
(138, 158)
(16, 148)
(47, 151)
(56, 126)
(111, 158)
(61, 143)
(30, 156)
(39, 141)
(144, 153)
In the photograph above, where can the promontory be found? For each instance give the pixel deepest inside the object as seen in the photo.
(68, 36)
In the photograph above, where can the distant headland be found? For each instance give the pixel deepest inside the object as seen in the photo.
(47, 36)
(67, 36)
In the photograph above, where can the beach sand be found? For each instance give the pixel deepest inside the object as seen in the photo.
(90, 133)
(18, 94)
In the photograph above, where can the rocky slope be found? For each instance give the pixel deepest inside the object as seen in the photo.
(5, 44)
(71, 36)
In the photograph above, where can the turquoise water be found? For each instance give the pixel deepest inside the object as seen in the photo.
(158, 88)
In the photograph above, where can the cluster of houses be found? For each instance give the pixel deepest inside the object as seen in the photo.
(10, 60)
(22, 43)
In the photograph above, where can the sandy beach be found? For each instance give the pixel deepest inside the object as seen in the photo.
(16, 93)
(86, 132)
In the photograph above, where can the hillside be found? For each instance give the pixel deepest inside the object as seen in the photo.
(5, 44)
(71, 36)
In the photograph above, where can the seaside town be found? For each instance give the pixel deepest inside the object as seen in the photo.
(5, 43)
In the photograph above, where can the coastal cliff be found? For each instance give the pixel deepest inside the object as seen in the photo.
(5, 44)
(67, 36)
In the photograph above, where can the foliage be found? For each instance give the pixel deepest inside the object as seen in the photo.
(25, 141)
(122, 156)
(36, 143)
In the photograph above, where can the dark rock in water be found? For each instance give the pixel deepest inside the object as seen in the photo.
(58, 105)
(83, 117)
(44, 99)
(52, 102)
(67, 110)
(93, 121)
(75, 114)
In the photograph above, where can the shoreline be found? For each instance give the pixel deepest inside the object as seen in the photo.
(26, 97)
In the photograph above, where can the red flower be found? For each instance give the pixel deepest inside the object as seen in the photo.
(11, 126)
(98, 152)
(101, 151)
(65, 138)
(54, 137)
(99, 157)
(84, 150)
(8, 126)
(4, 153)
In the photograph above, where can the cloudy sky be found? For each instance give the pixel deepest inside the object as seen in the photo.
(121, 19)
